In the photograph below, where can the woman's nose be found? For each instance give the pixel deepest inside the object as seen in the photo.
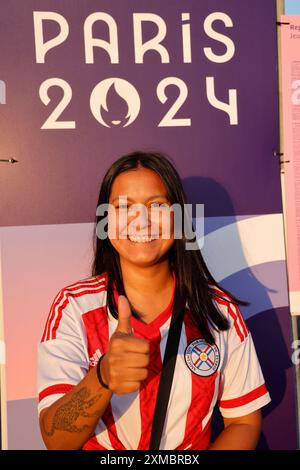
(142, 219)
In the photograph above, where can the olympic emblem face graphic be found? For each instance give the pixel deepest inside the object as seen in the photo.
(124, 91)
(202, 358)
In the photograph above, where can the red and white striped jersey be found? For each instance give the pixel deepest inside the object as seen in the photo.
(227, 374)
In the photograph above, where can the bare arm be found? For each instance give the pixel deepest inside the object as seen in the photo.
(70, 421)
(240, 433)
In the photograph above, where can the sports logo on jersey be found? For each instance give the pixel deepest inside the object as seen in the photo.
(202, 358)
(95, 358)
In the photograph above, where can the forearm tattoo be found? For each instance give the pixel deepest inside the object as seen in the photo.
(66, 415)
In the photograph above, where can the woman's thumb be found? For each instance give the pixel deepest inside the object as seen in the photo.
(124, 314)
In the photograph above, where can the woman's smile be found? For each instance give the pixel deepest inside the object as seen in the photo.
(144, 239)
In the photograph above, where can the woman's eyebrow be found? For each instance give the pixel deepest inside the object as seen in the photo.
(148, 199)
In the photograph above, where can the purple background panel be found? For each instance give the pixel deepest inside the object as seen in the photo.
(229, 168)
(59, 171)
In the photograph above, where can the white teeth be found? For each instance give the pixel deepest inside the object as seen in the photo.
(140, 239)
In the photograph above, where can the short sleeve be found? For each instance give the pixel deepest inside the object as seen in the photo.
(243, 388)
(62, 357)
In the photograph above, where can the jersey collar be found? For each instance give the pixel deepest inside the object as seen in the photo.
(151, 329)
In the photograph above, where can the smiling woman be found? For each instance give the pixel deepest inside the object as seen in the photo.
(145, 243)
(101, 358)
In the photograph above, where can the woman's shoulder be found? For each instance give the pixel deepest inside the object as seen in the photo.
(72, 302)
(84, 290)
(90, 282)
(230, 309)
(219, 295)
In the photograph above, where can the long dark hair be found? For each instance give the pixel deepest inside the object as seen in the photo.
(192, 275)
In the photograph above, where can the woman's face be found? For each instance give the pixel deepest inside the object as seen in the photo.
(141, 220)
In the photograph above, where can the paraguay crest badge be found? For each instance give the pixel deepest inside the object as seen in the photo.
(202, 358)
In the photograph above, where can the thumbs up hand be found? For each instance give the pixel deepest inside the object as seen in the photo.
(124, 366)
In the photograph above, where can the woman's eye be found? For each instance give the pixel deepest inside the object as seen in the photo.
(122, 206)
(160, 205)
